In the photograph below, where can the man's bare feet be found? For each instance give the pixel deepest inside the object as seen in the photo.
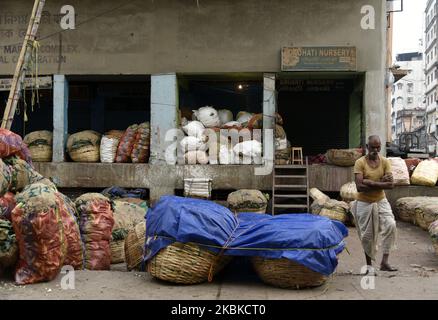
(387, 267)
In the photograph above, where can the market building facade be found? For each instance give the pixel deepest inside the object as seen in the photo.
(319, 64)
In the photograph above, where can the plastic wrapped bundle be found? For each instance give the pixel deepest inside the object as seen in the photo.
(335, 210)
(399, 172)
(40, 145)
(126, 144)
(108, 149)
(84, 146)
(96, 222)
(425, 174)
(208, 116)
(40, 235)
(140, 150)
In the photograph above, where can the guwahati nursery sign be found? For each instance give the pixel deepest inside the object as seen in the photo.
(318, 58)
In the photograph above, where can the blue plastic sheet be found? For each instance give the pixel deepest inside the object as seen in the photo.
(311, 240)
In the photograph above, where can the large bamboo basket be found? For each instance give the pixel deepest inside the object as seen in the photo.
(186, 263)
(85, 154)
(41, 153)
(134, 243)
(117, 251)
(285, 273)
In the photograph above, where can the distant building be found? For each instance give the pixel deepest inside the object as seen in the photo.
(431, 72)
(408, 99)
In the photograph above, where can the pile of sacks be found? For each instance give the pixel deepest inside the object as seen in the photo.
(40, 144)
(421, 211)
(203, 142)
(130, 145)
(333, 209)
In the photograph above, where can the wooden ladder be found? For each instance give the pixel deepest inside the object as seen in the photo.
(290, 188)
(20, 69)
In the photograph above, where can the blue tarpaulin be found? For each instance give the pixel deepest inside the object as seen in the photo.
(313, 241)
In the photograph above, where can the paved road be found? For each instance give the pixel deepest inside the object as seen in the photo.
(417, 278)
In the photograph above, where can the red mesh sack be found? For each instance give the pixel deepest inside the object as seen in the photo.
(39, 231)
(126, 144)
(74, 255)
(95, 222)
(12, 144)
(140, 150)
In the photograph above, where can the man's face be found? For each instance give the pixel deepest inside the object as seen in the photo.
(373, 148)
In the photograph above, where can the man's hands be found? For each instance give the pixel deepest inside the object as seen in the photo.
(387, 177)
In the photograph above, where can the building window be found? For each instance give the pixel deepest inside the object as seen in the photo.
(399, 100)
(399, 86)
(410, 100)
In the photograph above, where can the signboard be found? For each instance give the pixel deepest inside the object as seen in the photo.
(314, 85)
(41, 83)
(318, 58)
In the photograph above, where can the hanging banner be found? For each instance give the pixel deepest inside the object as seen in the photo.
(318, 59)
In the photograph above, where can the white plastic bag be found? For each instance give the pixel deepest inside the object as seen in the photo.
(194, 129)
(191, 143)
(280, 144)
(196, 157)
(250, 150)
(232, 124)
(400, 171)
(225, 116)
(243, 117)
(208, 116)
(108, 149)
(226, 155)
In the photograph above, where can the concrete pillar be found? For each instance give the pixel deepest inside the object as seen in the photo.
(164, 111)
(156, 193)
(269, 109)
(60, 117)
(375, 107)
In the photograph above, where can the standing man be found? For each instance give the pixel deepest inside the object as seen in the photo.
(372, 211)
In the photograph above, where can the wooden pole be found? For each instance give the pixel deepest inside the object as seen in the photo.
(17, 81)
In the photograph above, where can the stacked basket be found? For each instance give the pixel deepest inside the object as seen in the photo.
(186, 263)
(288, 274)
(40, 145)
(84, 146)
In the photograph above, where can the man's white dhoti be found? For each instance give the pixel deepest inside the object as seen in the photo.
(372, 219)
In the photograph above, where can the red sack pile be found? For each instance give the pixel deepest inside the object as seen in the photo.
(412, 163)
(96, 222)
(39, 231)
(140, 151)
(7, 204)
(74, 255)
(12, 144)
(126, 144)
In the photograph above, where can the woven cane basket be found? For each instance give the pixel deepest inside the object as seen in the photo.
(85, 154)
(41, 153)
(134, 243)
(117, 251)
(285, 273)
(334, 214)
(185, 263)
